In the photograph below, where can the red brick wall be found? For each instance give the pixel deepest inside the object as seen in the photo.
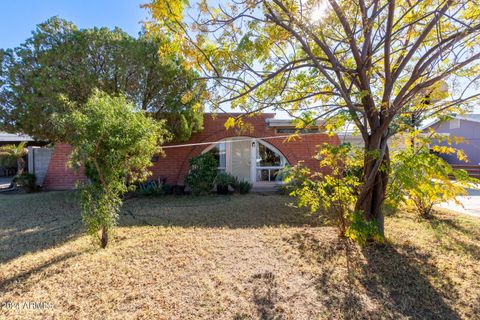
(174, 166)
(59, 176)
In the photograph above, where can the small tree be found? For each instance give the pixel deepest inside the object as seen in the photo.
(333, 195)
(115, 143)
(11, 152)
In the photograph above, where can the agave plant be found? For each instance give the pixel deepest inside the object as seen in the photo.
(16, 153)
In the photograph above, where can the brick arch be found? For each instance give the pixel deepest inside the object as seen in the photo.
(199, 149)
(174, 166)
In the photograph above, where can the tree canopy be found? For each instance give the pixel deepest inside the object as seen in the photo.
(371, 62)
(61, 61)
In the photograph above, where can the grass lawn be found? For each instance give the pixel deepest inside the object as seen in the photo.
(233, 257)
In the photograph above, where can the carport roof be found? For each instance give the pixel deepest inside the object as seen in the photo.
(14, 137)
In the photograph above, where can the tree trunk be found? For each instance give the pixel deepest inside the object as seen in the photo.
(104, 237)
(373, 192)
(20, 166)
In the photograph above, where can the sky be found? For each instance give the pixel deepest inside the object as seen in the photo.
(18, 18)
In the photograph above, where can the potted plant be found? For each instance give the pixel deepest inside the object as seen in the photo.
(222, 181)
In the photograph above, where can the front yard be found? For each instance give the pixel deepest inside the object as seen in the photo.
(232, 257)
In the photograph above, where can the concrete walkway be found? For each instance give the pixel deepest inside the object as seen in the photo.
(470, 204)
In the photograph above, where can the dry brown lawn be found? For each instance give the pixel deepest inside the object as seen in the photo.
(232, 257)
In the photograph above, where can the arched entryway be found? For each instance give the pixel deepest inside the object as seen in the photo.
(249, 159)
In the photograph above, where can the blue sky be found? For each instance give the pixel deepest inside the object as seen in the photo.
(19, 17)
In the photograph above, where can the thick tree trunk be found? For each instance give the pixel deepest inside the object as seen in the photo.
(104, 237)
(374, 190)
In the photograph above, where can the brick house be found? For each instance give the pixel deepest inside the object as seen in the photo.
(256, 153)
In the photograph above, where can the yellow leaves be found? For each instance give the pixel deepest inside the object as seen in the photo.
(167, 9)
(187, 97)
(462, 156)
(292, 137)
(472, 11)
(230, 123)
(443, 149)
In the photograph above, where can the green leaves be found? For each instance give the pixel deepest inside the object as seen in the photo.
(115, 143)
(332, 195)
(202, 173)
(422, 179)
(60, 63)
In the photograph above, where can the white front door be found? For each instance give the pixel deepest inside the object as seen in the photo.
(240, 155)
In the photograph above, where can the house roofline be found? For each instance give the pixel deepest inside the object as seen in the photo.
(457, 117)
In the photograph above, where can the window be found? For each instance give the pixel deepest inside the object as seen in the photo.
(220, 153)
(293, 130)
(454, 123)
(269, 164)
(248, 159)
(266, 157)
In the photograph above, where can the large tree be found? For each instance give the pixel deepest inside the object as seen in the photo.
(61, 61)
(365, 61)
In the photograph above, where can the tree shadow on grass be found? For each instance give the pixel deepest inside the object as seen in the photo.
(375, 282)
(17, 280)
(232, 211)
(265, 298)
(34, 222)
(454, 236)
(398, 280)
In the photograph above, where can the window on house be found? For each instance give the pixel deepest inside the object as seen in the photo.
(269, 164)
(454, 123)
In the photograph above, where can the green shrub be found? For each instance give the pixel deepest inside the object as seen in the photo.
(422, 179)
(150, 188)
(26, 181)
(224, 179)
(202, 173)
(242, 187)
(360, 230)
(330, 195)
(115, 144)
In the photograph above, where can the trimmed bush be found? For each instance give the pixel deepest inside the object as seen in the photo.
(223, 181)
(242, 187)
(202, 174)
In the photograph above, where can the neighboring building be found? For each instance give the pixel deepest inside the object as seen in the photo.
(256, 155)
(467, 127)
(14, 138)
